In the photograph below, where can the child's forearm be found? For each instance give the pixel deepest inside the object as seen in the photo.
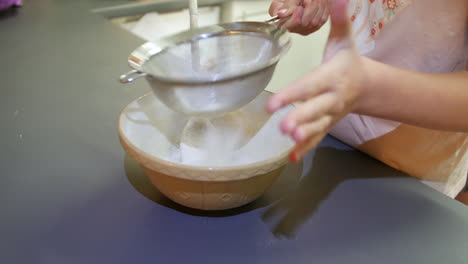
(437, 101)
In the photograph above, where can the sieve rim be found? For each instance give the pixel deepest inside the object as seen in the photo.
(279, 35)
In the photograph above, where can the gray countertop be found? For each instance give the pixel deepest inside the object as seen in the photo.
(70, 194)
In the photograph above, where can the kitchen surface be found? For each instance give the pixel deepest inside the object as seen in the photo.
(69, 193)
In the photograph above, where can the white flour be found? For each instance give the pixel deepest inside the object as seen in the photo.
(213, 142)
(233, 139)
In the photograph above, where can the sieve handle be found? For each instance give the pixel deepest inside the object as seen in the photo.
(131, 76)
(276, 20)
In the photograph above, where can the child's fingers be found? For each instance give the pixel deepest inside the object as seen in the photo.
(284, 8)
(311, 7)
(275, 7)
(301, 149)
(294, 21)
(322, 9)
(309, 86)
(325, 15)
(308, 111)
(310, 130)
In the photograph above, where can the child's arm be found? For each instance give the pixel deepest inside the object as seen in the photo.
(347, 82)
(437, 101)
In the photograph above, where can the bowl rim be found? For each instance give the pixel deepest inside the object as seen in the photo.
(279, 160)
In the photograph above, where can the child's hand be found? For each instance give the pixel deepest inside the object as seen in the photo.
(307, 16)
(328, 93)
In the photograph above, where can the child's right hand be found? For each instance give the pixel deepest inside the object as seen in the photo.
(328, 93)
(307, 16)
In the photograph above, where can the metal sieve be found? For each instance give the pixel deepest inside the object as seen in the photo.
(212, 70)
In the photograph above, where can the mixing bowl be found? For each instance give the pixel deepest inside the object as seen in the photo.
(150, 133)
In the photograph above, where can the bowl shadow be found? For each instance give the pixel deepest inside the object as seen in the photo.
(332, 174)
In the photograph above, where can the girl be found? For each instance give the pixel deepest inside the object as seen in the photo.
(392, 83)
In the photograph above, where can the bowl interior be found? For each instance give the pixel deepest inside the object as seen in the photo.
(246, 136)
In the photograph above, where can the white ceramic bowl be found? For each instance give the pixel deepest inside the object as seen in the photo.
(150, 132)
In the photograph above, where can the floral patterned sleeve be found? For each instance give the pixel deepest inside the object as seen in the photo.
(370, 16)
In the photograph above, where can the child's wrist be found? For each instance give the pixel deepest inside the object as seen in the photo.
(367, 95)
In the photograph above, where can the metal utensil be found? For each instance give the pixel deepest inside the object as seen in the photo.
(235, 62)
